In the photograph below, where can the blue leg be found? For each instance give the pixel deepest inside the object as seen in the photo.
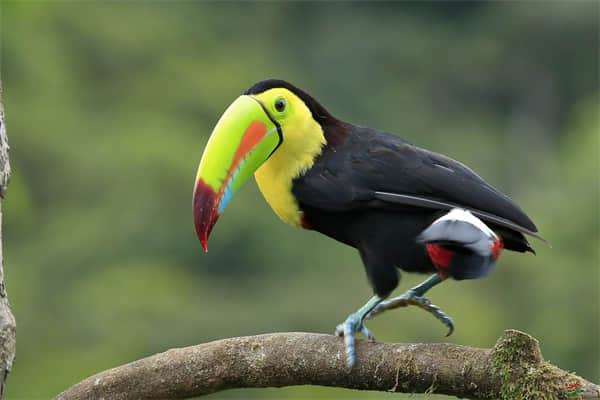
(413, 297)
(354, 323)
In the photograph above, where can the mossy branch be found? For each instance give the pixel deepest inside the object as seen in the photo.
(512, 369)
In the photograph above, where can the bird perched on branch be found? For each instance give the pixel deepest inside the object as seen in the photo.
(399, 205)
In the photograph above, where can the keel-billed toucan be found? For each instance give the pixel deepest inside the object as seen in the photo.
(399, 205)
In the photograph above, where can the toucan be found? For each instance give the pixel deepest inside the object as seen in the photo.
(400, 206)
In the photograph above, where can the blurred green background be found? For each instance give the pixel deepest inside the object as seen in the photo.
(109, 106)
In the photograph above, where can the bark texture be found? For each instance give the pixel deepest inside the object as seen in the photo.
(7, 320)
(512, 369)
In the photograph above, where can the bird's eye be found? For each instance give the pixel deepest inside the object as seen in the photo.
(280, 105)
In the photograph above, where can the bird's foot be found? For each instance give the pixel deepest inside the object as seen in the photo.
(410, 298)
(354, 323)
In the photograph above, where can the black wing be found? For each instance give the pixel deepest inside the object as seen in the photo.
(378, 169)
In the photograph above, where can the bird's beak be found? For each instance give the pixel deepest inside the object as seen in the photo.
(245, 136)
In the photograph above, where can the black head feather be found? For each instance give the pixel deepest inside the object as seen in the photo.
(319, 113)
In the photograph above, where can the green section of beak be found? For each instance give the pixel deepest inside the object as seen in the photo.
(243, 139)
(236, 143)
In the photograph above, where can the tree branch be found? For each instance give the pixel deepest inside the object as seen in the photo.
(7, 320)
(512, 369)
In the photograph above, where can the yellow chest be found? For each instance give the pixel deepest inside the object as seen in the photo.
(276, 187)
(275, 176)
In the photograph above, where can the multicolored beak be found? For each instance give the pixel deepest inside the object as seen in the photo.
(245, 136)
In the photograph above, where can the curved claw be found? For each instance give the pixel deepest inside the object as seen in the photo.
(450, 328)
(446, 320)
(438, 313)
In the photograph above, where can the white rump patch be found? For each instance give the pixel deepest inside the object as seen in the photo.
(460, 214)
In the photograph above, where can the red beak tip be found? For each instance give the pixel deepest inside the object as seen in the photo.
(205, 211)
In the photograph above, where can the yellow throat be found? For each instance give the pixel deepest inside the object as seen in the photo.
(303, 140)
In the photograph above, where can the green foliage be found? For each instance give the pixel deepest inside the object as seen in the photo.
(109, 106)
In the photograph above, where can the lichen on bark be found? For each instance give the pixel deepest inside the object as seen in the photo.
(7, 320)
